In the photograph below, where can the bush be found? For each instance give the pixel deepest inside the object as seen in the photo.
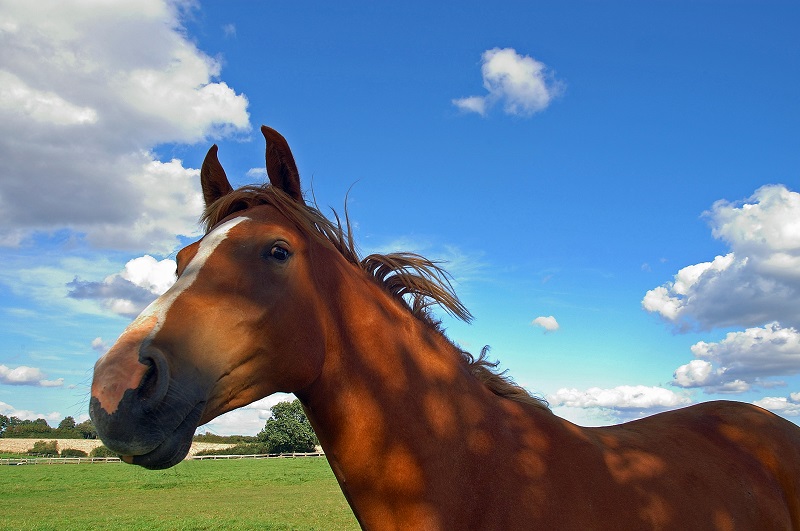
(45, 448)
(73, 452)
(102, 451)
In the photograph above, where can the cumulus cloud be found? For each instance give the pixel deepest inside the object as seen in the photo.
(756, 285)
(623, 402)
(23, 375)
(758, 282)
(786, 406)
(742, 359)
(130, 291)
(621, 397)
(520, 83)
(81, 109)
(548, 323)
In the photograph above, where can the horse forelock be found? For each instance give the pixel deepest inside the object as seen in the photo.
(415, 281)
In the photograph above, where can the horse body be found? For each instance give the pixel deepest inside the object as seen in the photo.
(418, 434)
(418, 444)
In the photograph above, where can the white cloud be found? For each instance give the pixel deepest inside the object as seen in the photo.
(757, 282)
(24, 375)
(229, 30)
(130, 291)
(472, 104)
(43, 107)
(548, 323)
(621, 398)
(151, 274)
(257, 173)
(25, 414)
(742, 359)
(247, 420)
(81, 108)
(46, 281)
(171, 205)
(99, 345)
(522, 84)
(693, 374)
(787, 406)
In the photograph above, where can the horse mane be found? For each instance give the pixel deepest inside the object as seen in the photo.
(415, 281)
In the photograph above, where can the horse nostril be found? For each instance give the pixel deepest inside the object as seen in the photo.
(155, 382)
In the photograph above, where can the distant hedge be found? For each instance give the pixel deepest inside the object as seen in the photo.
(102, 451)
(225, 439)
(239, 449)
(73, 452)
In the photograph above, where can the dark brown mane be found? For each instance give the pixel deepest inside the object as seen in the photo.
(415, 281)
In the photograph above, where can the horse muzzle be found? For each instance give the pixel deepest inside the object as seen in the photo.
(139, 411)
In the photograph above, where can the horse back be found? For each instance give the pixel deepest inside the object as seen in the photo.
(731, 464)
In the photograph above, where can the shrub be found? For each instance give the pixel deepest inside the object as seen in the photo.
(47, 448)
(73, 452)
(102, 451)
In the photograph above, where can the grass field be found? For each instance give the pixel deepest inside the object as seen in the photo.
(235, 494)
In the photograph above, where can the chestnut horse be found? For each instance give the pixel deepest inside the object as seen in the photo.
(419, 434)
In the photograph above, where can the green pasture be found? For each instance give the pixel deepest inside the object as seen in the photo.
(225, 494)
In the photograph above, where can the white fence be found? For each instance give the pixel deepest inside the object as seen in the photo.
(58, 460)
(86, 460)
(256, 456)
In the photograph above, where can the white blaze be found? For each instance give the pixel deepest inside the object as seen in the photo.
(159, 307)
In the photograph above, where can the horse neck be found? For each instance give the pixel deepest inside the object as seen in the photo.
(397, 411)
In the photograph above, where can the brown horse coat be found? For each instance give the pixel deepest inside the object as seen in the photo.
(419, 434)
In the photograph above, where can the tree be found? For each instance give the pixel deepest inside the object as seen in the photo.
(288, 429)
(28, 428)
(87, 429)
(67, 424)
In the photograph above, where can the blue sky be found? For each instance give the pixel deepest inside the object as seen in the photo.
(615, 185)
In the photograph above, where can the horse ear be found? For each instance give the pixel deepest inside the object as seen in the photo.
(213, 180)
(281, 169)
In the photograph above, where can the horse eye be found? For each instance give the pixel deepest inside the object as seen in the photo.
(279, 253)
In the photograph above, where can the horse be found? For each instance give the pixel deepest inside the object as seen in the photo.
(419, 433)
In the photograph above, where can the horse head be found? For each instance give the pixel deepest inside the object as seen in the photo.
(239, 323)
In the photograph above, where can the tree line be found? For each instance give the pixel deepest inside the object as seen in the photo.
(14, 427)
(287, 430)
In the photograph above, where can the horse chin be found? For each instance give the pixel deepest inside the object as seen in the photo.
(174, 448)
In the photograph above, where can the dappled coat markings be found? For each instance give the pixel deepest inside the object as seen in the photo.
(419, 434)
